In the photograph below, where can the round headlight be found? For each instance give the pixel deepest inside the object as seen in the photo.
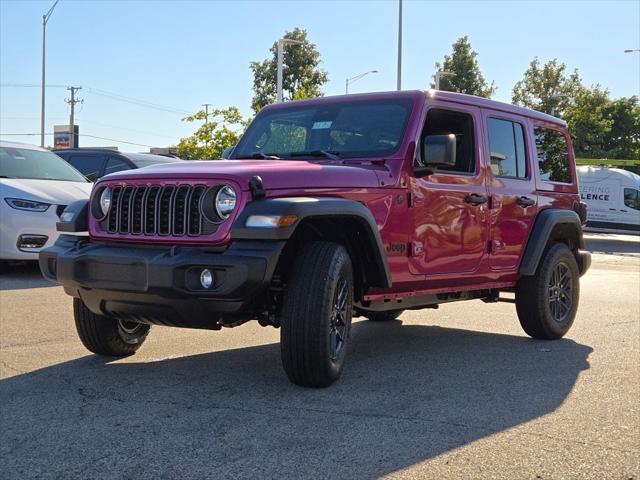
(105, 201)
(225, 201)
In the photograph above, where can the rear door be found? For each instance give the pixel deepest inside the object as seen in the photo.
(89, 164)
(513, 202)
(116, 164)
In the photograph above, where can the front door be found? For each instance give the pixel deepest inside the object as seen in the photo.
(450, 205)
(514, 202)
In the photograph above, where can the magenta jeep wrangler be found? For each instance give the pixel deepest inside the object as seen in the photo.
(328, 208)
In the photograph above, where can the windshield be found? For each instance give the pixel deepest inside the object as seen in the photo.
(328, 130)
(36, 164)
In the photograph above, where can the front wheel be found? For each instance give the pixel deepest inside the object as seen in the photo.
(106, 335)
(316, 315)
(547, 302)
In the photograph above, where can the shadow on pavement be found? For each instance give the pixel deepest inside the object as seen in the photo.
(19, 276)
(409, 393)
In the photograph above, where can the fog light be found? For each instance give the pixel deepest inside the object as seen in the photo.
(206, 278)
(31, 241)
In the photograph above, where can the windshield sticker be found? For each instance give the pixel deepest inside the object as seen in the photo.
(321, 125)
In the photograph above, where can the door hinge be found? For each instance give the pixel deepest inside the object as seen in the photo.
(409, 199)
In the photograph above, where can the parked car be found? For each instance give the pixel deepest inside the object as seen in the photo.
(329, 208)
(35, 187)
(95, 163)
(613, 199)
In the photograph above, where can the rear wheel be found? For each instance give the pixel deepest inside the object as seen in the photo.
(547, 302)
(316, 315)
(384, 316)
(106, 335)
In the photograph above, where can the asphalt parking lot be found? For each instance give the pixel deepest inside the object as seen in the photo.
(458, 392)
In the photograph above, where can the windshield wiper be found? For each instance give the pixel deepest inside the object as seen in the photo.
(317, 153)
(255, 155)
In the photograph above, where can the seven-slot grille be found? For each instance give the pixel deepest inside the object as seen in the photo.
(156, 210)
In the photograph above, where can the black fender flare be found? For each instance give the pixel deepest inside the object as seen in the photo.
(546, 221)
(305, 208)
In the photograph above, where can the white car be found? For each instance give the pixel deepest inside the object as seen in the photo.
(35, 186)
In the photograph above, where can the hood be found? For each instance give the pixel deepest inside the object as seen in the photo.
(56, 192)
(275, 174)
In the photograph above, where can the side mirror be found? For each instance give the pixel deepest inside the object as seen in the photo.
(438, 150)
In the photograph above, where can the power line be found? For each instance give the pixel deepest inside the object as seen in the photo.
(135, 101)
(84, 135)
(110, 95)
(3, 85)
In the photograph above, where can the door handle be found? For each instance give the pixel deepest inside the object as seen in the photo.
(525, 202)
(475, 199)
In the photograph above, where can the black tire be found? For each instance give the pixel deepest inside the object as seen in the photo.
(105, 335)
(316, 315)
(547, 302)
(384, 316)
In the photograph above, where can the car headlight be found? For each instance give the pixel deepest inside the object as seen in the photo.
(28, 205)
(225, 201)
(105, 201)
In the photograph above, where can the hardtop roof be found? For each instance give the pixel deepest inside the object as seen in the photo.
(454, 97)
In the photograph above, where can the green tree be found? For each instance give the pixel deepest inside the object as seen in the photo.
(467, 77)
(302, 76)
(623, 140)
(222, 129)
(546, 88)
(588, 122)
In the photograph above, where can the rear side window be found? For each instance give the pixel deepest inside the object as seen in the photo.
(89, 165)
(632, 198)
(445, 122)
(506, 141)
(553, 155)
(115, 165)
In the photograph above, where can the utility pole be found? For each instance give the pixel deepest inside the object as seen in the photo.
(72, 102)
(206, 119)
(45, 19)
(399, 86)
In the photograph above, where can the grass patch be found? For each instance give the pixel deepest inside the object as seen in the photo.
(611, 162)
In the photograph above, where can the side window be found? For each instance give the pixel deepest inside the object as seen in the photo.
(632, 198)
(553, 156)
(506, 142)
(445, 122)
(115, 165)
(89, 165)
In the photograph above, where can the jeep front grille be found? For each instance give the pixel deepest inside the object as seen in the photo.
(157, 210)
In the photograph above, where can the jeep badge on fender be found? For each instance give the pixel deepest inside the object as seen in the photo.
(306, 226)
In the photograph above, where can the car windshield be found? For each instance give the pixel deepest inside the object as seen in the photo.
(327, 130)
(36, 164)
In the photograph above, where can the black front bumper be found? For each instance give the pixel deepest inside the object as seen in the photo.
(161, 284)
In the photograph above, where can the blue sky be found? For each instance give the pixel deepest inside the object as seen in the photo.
(182, 54)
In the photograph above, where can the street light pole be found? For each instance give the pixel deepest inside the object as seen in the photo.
(355, 79)
(206, 120)
(45, 19)
(281, 43)
(399, 79)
